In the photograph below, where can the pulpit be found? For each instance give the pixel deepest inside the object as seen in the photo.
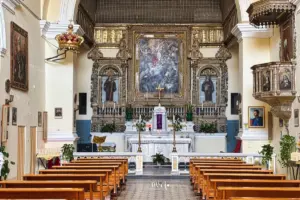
(159, 122)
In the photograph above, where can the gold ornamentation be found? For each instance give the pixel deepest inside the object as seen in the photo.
(69, 40)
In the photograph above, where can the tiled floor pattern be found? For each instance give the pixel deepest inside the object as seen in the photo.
(158, 189)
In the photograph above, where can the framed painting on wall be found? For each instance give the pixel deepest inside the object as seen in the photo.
(45, 125)
(14, 116)
(296, 117)
(39, 119)
(8, 115)
(4, 130)
(58, 113)
(19, 58)
(256, 116)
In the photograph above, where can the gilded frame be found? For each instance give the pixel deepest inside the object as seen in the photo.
(183, 34)
(262, 115)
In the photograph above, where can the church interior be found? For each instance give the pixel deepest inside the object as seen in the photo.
(150, 99)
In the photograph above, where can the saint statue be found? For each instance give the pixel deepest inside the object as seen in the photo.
(208, 88)
(109, 88)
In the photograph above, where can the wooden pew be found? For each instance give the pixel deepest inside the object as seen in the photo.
(123, 160)
(228, 192)
(257, 198)
(108, 181)
(45, 177)
(200, 181)
(197, 167)
(41, 193)
(207, 186)
(251, 183)
(88, 186)
(117, 175)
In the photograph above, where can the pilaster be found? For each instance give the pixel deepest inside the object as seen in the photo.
(60, 85)
(254, 48)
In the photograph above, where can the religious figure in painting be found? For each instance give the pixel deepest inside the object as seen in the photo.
(20, 62)
(208, 88)
(266, 83)
(285, 83)
(257, 120)
(109, 88)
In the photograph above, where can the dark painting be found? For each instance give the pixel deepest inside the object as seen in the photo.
(14, 116)
(19, 58)
(287, 44)
(285, 80)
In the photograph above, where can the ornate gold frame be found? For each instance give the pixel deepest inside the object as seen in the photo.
(180, 32)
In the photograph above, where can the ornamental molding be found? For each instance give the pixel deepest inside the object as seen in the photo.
(50, 30)
(241, 31)
(10, 5)
(297, 4)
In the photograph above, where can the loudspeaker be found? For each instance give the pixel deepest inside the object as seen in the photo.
(82, 103)
(87, 147)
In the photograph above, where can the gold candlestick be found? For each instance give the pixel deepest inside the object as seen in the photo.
(174, 142)
(139, 148)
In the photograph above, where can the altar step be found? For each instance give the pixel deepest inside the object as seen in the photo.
(160, 172)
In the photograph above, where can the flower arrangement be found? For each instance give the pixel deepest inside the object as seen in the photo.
(177, 123)
(141, 124)
(67, 152)
(208, 128)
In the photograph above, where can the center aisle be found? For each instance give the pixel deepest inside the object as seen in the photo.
(158, 188)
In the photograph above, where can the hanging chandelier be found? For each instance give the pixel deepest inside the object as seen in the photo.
(270, 13)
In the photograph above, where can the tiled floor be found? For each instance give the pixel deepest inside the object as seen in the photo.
(158, 189)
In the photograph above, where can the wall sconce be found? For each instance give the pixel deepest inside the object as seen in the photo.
(11, 99)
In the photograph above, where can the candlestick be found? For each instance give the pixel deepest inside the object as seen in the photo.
(140, 118)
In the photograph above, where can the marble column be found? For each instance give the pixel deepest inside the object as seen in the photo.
(254, 48)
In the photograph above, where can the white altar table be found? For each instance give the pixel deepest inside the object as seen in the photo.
(154, 144)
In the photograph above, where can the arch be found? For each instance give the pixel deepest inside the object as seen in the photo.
(216, 69)
(103, 70)
(68, 10)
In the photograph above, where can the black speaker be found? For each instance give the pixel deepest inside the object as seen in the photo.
(82, 103)
(87, 147)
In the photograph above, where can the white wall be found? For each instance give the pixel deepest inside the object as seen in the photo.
(27, 103)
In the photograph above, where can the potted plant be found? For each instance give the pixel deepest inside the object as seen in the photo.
(287, 146)
(266, 152)
(189, 112)
(4, 162)
(108, 128)
(128, 113)
(67, 152)
(160, 159)
(208, 128)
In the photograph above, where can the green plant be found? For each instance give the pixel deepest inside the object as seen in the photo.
(208, 128)
(108, 128)
(5, 167)
(177, 125)
(266, 152)
(141, 125)
(159, 158)
(67, 152)
(189, 112)
(128, 113)
(287, 146)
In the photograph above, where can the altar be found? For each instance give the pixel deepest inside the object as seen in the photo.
(159, 144)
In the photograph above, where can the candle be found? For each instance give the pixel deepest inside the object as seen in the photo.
(174, 118)
(114, 105)
(202, 105)
(140, 118)
(103, 105)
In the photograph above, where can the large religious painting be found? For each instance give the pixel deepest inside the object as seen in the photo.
(19, 58)
(159, 61)
(287, 43)
(256, 117)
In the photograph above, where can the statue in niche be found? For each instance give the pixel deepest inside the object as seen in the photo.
(266, 82)
(109, 87)
(208, 88)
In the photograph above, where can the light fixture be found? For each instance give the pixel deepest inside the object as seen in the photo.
(11, 99)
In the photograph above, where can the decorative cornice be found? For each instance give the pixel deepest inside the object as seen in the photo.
(10, 5)
(241, 31)
(50, 30)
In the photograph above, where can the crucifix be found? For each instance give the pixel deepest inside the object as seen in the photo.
(159, 89)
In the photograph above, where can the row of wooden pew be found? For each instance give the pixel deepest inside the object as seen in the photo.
(235, 180)
(85, 178)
